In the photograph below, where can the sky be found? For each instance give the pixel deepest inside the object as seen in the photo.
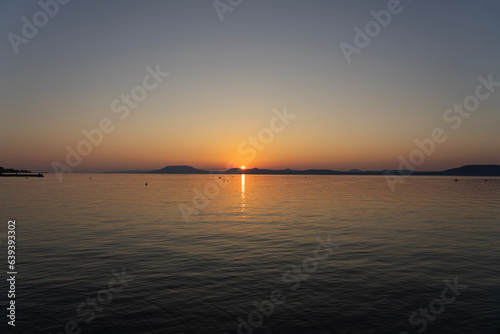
(268, 84)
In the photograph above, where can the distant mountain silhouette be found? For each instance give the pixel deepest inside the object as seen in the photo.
(289, 171)
(470, 170)
(179, 170)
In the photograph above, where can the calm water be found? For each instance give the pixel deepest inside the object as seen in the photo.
(396, 250)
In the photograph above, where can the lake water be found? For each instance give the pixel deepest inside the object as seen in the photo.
(384, 259)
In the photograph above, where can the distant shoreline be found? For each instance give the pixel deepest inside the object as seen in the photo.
(469, 170)
(21, 175)
(10, 172)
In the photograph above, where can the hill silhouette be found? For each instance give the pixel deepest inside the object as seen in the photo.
(179, 170)
(474, 170)
(469, 170)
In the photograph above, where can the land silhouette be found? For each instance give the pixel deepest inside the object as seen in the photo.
(19, 173)
(468, 170)
(12, 170)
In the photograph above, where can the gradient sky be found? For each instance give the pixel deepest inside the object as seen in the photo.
(226, 77)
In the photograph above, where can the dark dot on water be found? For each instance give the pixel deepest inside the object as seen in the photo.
(146, 184)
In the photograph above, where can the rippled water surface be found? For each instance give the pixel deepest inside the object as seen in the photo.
(252, 237)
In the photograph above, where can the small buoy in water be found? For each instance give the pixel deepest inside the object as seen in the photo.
(90, 178)
(456, 180)
(485, 180)
(146, 184)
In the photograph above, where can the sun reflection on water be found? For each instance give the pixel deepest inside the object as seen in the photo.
(242, 192)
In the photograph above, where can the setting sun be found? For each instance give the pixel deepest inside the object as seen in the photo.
(242, 167)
